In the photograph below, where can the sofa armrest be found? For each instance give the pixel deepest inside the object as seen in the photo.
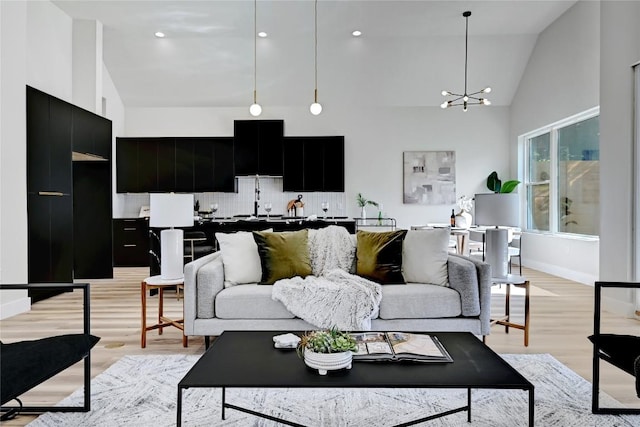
(192, 294)
(472, 280)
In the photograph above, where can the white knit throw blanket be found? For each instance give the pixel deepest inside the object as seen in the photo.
(331, 297)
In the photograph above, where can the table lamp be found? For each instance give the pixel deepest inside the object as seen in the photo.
(497, 210)
(171, 210)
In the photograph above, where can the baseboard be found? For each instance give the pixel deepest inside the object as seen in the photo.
(15, 307)
(623, 308)
(565, 273)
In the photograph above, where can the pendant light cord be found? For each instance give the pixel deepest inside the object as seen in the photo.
(466, 50)
(315, 14)
(255, 48)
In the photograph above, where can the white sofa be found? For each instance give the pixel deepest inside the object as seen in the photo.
(464, 305)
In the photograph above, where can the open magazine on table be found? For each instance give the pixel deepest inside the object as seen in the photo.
(381, 346)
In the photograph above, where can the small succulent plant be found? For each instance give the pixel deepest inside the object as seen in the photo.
(327, 341)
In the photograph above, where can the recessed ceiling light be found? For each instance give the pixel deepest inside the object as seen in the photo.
(356, 33)
(262, 34)
(159, 34)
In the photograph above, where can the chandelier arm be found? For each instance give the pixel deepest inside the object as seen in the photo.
(255, 48)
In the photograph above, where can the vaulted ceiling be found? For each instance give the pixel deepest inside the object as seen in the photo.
(408, 53)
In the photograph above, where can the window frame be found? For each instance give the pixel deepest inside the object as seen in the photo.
(524, 141)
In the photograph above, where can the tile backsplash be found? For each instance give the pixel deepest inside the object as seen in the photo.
(241, 203)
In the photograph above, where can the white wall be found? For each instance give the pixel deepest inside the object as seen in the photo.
(374, 141)
(562, 78)
(13, 200)
(36, 50)
(620, 49)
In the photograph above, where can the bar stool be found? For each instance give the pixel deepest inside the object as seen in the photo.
(156, 282)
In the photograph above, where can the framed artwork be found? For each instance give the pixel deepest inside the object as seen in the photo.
(429, 177)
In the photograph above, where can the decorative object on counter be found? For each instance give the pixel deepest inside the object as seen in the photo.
(296, 207)
(196, 208)
(327, 350)
(325, 208)
(362, 203)
(214, 209)
(497, 186)
(463, 218)
(171, 210)
(267, 207)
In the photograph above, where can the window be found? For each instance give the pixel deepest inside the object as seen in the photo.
(562, 176)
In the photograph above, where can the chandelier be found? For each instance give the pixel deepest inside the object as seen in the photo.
(465, 99)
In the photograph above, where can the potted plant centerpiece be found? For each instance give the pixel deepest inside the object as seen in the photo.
(327, 350)
(362, 204)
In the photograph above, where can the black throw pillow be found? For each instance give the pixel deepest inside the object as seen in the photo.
(26, 364)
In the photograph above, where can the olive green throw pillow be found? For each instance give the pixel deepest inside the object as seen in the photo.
(282, 255)
(379, 256)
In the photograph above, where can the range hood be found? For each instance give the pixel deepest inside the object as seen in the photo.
(76, 156)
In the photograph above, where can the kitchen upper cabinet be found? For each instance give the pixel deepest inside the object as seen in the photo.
(49, 124)
(174, 164)
(314, 163)
(213, 165)
(258, 147)
(91, 134)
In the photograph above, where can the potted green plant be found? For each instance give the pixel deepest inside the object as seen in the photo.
(497, 186)
(327, 350)
(362, 204)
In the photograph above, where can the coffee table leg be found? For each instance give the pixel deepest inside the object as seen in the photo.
(531, 407)
(179, 408)
(469, 405)
(223, 403)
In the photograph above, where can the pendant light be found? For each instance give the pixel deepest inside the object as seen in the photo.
(315, 108)
(255, 109)
(465, 99)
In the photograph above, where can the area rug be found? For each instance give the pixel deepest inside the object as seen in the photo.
(141, 391)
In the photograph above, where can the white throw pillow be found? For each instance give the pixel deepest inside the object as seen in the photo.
(424, 256)
(240, 258)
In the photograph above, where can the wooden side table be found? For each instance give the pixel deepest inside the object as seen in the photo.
(156, 282)
(521, 282)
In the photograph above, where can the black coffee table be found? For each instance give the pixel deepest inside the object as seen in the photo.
(242, 359)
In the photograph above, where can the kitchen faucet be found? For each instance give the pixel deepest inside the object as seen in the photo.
(257, 196)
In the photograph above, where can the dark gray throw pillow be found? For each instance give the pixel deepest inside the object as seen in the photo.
(25, 364)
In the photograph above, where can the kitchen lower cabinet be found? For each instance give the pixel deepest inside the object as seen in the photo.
(130, 242)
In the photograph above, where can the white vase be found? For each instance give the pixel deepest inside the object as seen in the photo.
(363, 212)
(463, 220)
(324, 362)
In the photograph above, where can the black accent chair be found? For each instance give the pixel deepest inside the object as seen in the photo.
(622, 351)
(26, 364)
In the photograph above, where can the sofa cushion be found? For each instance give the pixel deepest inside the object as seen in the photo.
(239, 257)
(209, 279)
(251, 301)
(424, 256)
(379, 256)
(283, 255)
(419, 301)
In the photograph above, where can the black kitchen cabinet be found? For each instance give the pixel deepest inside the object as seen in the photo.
(258, 147)
(50, 249)
(92, 237)
(126, 165)
(131, 242)
(91, 134)
(180, 164)
(55, 187)
(165, 164)
(184, 169)
(213, 164)
(48, 143)
(313, 163)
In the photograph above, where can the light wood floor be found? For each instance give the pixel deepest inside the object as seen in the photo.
(561, 320)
